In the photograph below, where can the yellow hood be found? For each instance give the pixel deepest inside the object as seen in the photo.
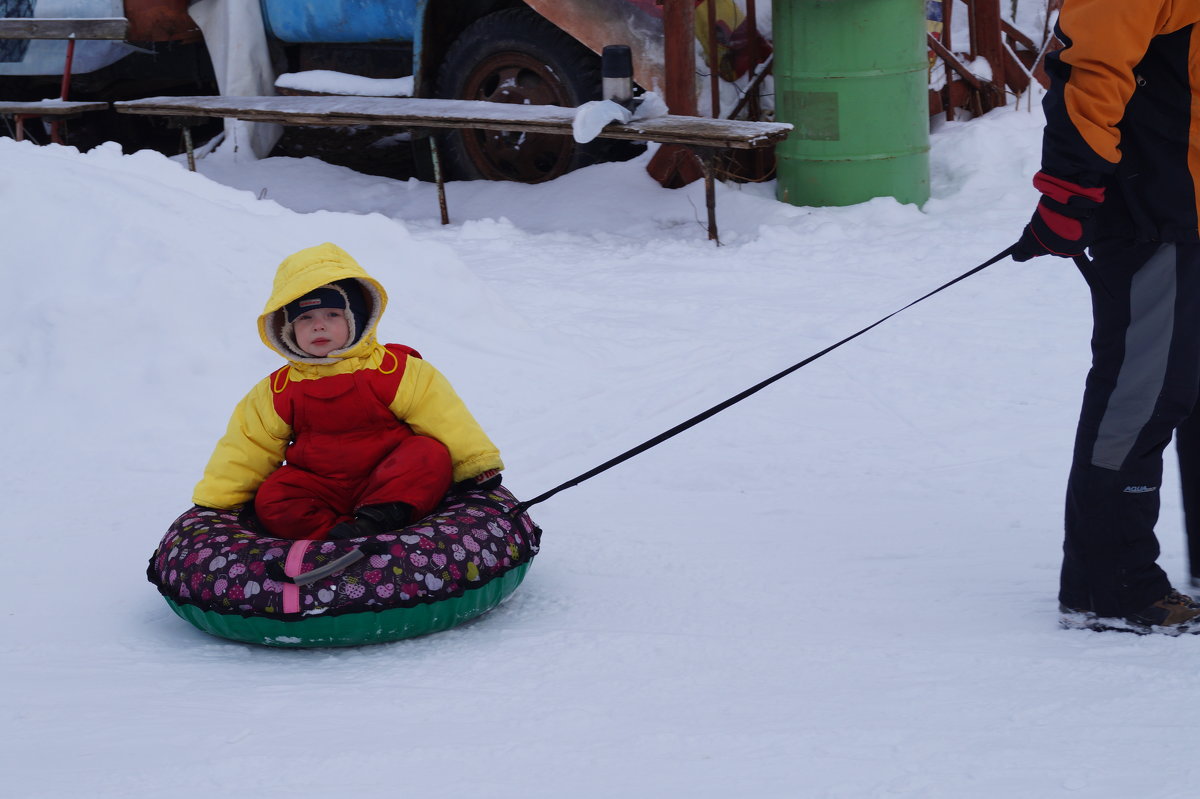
(303, 272)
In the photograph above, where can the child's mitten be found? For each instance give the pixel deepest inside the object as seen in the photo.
(484, 481)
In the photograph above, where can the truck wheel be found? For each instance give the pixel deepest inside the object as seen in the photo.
(516, 56)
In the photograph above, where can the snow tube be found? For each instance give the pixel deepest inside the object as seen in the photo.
(230, 580)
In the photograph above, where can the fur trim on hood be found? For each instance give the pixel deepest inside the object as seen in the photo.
(306, 271)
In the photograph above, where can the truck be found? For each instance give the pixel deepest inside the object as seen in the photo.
(515, 51)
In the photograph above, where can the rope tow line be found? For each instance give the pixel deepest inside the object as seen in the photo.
(714, 410)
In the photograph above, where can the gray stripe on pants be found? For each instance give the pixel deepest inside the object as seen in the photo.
(1144, 367)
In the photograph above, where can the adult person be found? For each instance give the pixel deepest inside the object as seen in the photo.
(1119, 177)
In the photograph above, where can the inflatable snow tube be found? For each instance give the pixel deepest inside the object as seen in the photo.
(455, 564)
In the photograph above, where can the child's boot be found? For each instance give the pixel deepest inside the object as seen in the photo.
(384, 518)
(372, 520)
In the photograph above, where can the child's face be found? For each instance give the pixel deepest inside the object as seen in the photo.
(321, 331)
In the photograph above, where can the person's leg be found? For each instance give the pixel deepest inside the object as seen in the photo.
(1187, 446)
(293, 503)
(417, 473)
(1143, 382)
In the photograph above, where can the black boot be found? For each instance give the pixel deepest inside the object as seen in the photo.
(384, 518)
(372, 520)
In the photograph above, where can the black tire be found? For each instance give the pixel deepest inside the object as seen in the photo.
(516, 56)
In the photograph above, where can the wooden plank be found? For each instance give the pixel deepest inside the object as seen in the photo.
(952, 61)
(50, 107)
(63, 28)
(407, 112)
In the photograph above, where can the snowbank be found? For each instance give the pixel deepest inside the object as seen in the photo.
(841, 587)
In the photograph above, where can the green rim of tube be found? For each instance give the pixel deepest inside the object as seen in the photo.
(355, 629)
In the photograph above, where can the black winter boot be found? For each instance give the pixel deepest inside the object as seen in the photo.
(372, 520)
(348, 530)
(1174, 614)
(383, 518)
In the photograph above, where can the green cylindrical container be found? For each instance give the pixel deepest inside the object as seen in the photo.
(851, 75)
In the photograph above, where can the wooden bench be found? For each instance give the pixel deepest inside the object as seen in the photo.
(72, 30)
(705, 136)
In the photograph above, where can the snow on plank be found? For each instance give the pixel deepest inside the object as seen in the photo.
(434, 113)
(63, 28)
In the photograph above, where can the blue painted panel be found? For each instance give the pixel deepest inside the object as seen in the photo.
(299, 21)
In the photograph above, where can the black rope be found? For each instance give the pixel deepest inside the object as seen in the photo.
(714, 410)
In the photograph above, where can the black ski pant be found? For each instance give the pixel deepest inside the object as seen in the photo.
(1187, 445)
(1143, 384)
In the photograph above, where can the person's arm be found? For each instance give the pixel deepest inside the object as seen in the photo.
(1091, 82)
(427, 403)
(252, 447)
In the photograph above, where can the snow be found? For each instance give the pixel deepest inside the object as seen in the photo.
(325, 80)
(591, 117)
(841, 587)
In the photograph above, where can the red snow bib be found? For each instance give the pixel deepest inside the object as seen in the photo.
(341, 425)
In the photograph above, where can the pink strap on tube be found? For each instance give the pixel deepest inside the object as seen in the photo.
(291, 567)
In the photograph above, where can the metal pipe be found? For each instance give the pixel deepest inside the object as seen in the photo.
(437, 176)
(191, 152)
(714, 60)
(66, 76)
(679, 31)
(56, 125)
(752, 91)
(751, 94)
(705, 155)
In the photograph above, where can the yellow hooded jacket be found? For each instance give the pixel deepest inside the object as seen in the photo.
(258, 437)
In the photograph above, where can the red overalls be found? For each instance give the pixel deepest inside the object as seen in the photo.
(348, 450)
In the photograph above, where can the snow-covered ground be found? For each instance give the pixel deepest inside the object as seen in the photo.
(842, 587)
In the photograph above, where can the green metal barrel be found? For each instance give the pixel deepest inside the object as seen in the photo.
(851, 75)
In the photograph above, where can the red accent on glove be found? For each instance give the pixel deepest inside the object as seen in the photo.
(1064, 226)
(1062, 191)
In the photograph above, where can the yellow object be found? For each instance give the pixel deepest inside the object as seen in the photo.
(729, 17)
(934, 23)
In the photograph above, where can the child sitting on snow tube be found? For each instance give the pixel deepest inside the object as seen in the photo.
(372, 435)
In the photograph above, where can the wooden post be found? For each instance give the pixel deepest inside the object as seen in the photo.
(437, 177)
(707, 156)
(679, 55)
(191, 151)
(987, 41)
(714, 62)
(56, 125)
(755, 109)
(674, 166)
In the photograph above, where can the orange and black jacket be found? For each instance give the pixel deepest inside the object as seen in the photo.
(1121, 131)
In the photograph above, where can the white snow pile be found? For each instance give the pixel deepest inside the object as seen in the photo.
(325, 81)
(592, 116)
(841, 587)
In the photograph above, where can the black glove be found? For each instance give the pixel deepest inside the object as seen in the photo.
(484, 481)
(248, 519)
(1063, 222)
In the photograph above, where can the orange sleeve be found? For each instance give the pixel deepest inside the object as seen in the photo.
(1105, 40)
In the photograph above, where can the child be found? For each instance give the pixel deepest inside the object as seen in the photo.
(371, 434)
